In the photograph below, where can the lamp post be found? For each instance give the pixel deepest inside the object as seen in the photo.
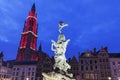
(27, 78)
(109, 78)
(118, 78)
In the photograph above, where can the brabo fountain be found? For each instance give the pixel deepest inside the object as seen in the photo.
(61, 66)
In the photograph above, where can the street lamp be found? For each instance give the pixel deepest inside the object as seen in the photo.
(118, 78)
(27, 78)
(109, 78)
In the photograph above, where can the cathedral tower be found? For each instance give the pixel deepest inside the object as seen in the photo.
(27, 47)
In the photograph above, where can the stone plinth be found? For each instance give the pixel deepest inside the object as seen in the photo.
(56, 76)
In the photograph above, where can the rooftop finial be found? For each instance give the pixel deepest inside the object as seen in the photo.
(40, 47)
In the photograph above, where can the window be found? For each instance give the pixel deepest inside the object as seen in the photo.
(96, 76)
(23, 39)
(115, 72)
(23, 73)
(113, 63)
(22, 78)
(31, 23)
(92, 76)
(17, 68)
(102, 74)
(103, 60)
(109, 74)
(13, 73)
(33, 41)
(32, 68)
(14, 69)
(81, 61)
(17, 74)
(106, 60)
(101, 66)
(82, 68)
(82, 76)
(100, 60)
(16, 79)
(108, 67)
(87, 76)
(91, 67)
(4, 76)
(32, 73)
(95, 67)
(90, 61)
(29, 69)
(87, 61)
(86, 68)
(118, 62)
(95, 61)
(28, 73)
(32, 78)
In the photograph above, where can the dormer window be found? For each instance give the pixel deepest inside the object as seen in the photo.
(31, 22)
(87, 62)
(87, 54)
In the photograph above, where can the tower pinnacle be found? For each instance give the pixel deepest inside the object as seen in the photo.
(33, 9)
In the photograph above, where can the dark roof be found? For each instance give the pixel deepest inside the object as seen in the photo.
(82, 54)
(1, 54)
(10, 62)
(92, 53)
(25, 63)
(114, 55)
(73, 60)
(4, 63)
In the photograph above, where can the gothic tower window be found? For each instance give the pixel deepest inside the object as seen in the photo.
(31, 24)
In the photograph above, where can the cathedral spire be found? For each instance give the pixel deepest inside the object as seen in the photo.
(33, 9)
(27, 48)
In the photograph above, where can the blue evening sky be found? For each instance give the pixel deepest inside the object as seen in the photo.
(92, 23)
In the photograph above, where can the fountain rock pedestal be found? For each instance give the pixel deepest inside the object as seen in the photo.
(61, 66)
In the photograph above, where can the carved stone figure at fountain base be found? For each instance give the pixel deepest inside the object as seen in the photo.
(57, 76)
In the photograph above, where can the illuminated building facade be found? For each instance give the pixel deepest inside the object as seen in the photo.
(94, 65)
(5, 69)
(89, 66)
(115, 65)
(30, 62)
(74, 66)
(24, 70)
(104, 64)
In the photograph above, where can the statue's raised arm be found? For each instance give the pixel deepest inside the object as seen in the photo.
(53, 46)
(62, 25)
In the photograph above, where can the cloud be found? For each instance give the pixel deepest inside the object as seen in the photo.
(8, 21)
(3, 38)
